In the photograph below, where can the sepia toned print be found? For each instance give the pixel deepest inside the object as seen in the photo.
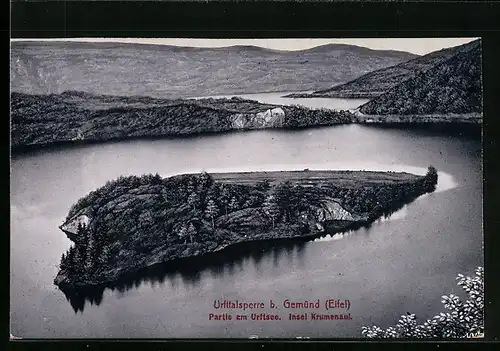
(281, 188)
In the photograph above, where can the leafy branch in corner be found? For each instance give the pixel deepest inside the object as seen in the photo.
(464, 318)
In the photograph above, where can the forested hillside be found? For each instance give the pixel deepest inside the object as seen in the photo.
(376, 83)
(452, 87)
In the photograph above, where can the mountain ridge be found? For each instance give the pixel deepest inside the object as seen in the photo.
(176, 72)
(111, 44)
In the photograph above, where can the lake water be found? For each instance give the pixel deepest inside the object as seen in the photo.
(402, 264)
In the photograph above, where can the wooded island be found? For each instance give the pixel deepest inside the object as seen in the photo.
(135, 222)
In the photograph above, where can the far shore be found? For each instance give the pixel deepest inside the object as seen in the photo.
(71, 118)
(334, 95)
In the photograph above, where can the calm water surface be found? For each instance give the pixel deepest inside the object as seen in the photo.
(397, 265)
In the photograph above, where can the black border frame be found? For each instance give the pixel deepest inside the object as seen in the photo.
(252, 19)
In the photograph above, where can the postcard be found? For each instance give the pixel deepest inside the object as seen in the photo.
(168, 188)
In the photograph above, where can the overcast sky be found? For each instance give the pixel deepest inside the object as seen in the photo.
(418, 46)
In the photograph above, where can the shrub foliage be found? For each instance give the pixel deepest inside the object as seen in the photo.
(462, 318)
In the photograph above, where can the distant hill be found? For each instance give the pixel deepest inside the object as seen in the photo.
(375, 83)
(174, 72)
(451, 87)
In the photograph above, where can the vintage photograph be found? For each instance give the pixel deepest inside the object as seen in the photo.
(168, 188)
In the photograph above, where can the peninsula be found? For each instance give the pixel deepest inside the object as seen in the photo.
(73, 117)
(136, 222)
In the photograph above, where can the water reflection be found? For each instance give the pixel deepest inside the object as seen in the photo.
(190, 271)
(446, 130)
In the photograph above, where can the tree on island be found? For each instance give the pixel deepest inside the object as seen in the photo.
(264, 185)
(233, 205)
(190, 187)
(104, 255)
(193, 200)
(205, 180)
(191, 232)
(91, 250)
(431, 177)
(284, 198)
(71, 256)
(182, 233)
(224, 197)
(64, 263)
(79, 259)
(271, 208)
(212, 211)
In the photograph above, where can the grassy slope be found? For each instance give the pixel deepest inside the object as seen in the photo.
(376, 83)
(346, 179)
(172, 72)
(451, 87)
